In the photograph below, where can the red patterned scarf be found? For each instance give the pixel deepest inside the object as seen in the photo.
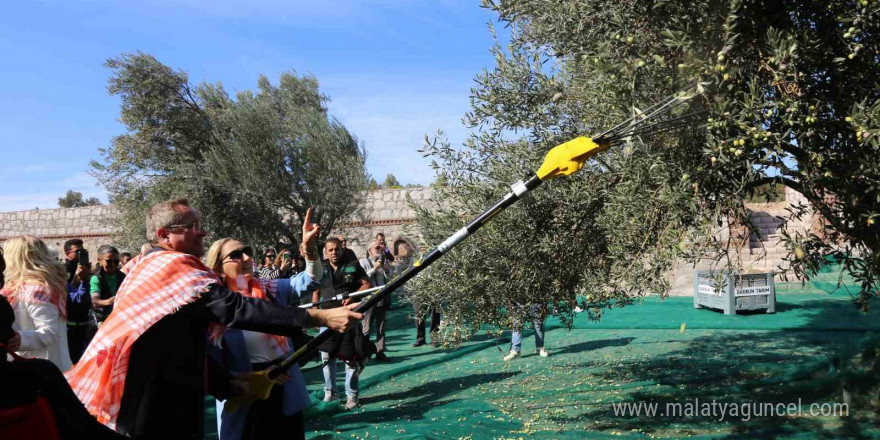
(31, 293)
(159, 284)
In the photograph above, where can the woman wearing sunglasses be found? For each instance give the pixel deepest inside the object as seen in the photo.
(243, 351)
(268, 270)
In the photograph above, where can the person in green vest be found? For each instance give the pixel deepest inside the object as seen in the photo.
(106, 282)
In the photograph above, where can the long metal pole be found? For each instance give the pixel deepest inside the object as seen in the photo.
(340, 297)
(517, 191)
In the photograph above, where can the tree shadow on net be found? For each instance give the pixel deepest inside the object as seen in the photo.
(738, 368)
(593, 345)
(415, 402)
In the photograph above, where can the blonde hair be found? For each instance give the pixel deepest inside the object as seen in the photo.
(29, 260)
(214, 258)
(163, 215)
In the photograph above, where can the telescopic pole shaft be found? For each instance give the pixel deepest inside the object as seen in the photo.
(356, 294)
(518, 190)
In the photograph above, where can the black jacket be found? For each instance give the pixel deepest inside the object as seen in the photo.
(351, 345)
(23, 381)
(169, 373)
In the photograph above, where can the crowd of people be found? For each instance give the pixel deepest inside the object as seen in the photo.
(140, 340)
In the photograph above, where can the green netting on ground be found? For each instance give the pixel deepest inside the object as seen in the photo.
(812, 347)
(831, 279)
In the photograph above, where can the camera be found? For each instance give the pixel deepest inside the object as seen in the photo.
(82, 257)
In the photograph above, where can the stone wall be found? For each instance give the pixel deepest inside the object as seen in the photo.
(762, 252)
(387, 211)
(92, 224)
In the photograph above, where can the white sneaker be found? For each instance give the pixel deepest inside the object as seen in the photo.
(543, 352)
(351, 403)
(511, 355)
(329, 396)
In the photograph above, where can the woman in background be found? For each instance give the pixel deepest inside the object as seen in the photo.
(36, 289)
(286, 264)
(268, 270)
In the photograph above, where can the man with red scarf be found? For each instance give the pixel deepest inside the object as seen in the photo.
(144, 374)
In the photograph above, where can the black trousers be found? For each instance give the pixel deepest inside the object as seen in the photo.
(420, 323)
(78, 337)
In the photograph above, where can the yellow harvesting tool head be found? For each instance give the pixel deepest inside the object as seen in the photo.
(568, 158)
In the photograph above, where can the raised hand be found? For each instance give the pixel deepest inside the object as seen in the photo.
(310, 230)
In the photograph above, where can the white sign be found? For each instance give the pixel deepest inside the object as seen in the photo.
(708, 288)
(749, 291)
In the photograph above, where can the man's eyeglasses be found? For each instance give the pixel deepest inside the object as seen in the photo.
(195, 226)
(236, 255)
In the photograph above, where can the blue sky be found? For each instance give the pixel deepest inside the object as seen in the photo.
(395, 70)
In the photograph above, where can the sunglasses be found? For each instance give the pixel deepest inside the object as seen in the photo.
(112, 261)
(270, 256)
(237, 255)
(196, 226)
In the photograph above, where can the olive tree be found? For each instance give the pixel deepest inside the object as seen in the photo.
(253, 163)
(790, 93)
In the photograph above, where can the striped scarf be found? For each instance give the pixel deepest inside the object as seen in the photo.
(30, 293)
(159, 284)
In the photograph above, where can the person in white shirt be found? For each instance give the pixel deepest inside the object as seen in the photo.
(36, 289)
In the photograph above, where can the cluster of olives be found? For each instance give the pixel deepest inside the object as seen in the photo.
(853, 32)
(861, 133)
